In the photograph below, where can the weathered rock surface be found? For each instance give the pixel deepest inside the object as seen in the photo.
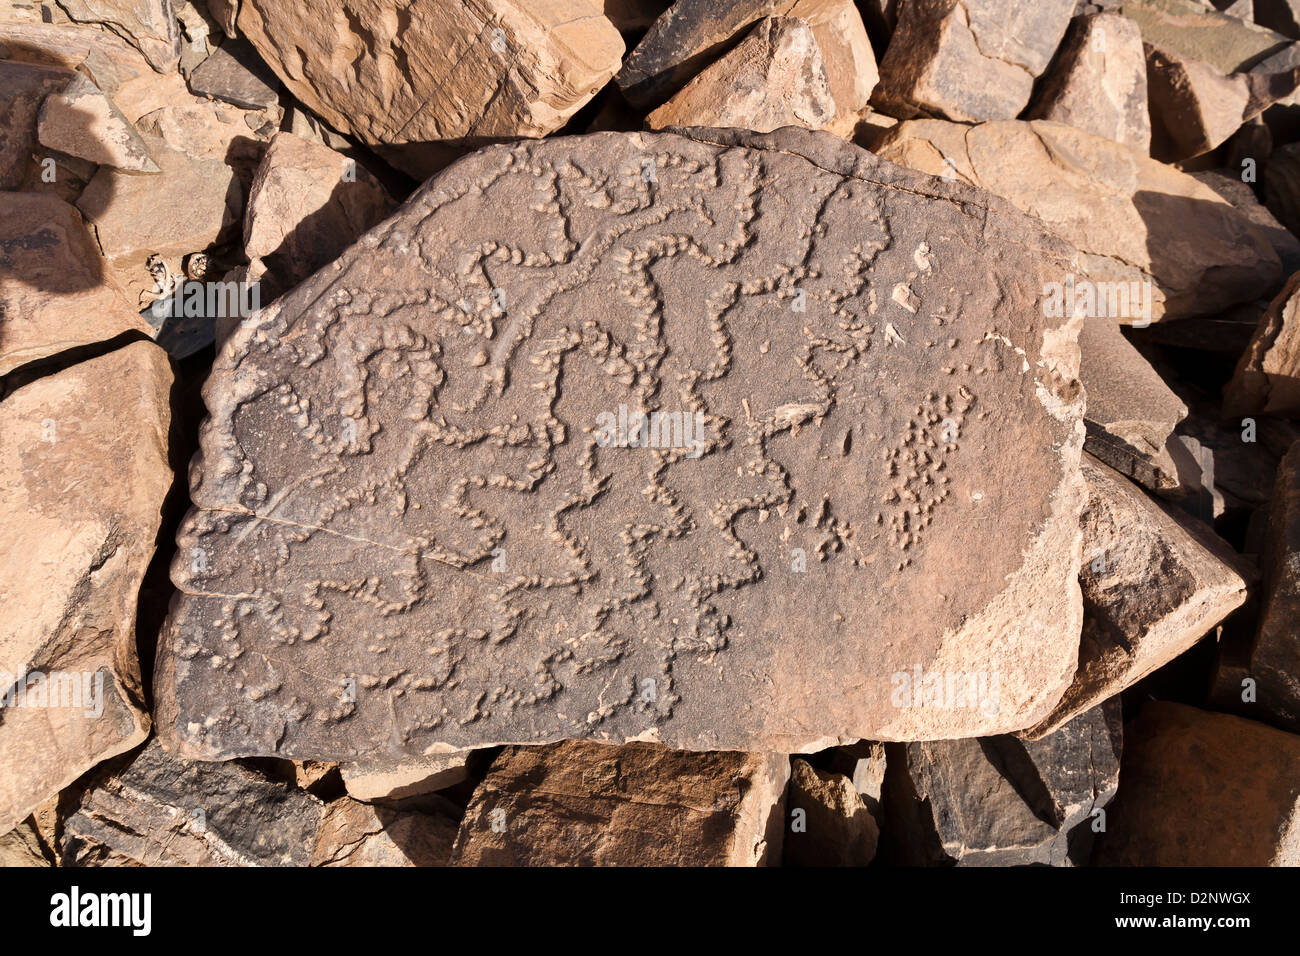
(1154, 583)
(1134, 220)
(393, 72)
(23, 87)
(1003, 801)
(1098, 81)
(693, 33)
(1131, 411)
(968, 60)
(370, 780)
(1204, 789)
(81, 121)
(830, 824)
(235, 73)
(358, 834)
(306, 205)
(864, 764)
(1196, 30)
(163, 810)
(578, 803)
(403, 519)
(148, 25)
(774, 78)
(83, 470)
(1243, 198)
(22, 846)
(56, 291)
(1267, 377)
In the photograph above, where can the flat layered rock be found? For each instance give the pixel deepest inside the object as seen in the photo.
(774, 78)
(395, 72)
(1155, 581)
(969, 60)
(1148, 233)
(1131, 411)
(148, 25)
(578, 803)
(1204, 789)
(691, 34)
(1003, 801)
(56, 290)
(83, 467)
(829, 823)
(81, 121)
(1098, 81)
(356, 834)
(375, 780)
(1242, 195)
(1267, 377)
(419, 524)
(163, 810)
(235, 73)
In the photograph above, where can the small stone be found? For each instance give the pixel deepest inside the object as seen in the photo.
(81, 121)
(358, 834)
(578, 803)
(374, 780)
(830, 824)
(235, 73)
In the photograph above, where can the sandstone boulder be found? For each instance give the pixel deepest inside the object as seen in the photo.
(407, 537)
(1267, 377)
(1154, 583)
(81, 121)
(578, 803)
(394, 72)
(148, 25)
(1204, 789)
(1148, 233)
(84, 471)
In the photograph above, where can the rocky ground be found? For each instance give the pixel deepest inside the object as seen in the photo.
(772, 432)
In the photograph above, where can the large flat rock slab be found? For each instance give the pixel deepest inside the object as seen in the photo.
(420, 526)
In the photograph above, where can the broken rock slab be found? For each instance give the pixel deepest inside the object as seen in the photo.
(403, 73)
(1204, 789)
(830, 824)
(1003, 801)
(691, 34)
(1242, 196)
(578, 803)
(1155, 244)
(235, 73)
(83, 466)
(320, 520)
(56, 291)
(354, 834)
(1098, 81)
(148, 25)
(1266, 380)
(1155, 581)
(163, 810)
(370, 780)
(774, 78)
(968, 60)
(81, 121)
(23, 88)
(1131, 412)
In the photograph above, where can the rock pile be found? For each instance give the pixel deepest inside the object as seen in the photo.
(776, 432)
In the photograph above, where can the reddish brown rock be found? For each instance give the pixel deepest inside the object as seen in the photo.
(84, 471)
(148, 25)
(400, 466)
(1267, 377)
(23, 88)
(829, 824)
(392, 72)
(371, 780)
(578, 803)
(358, 834)
(1154, 583)
(968, 60)
(1148, 234)
(56, 291)
(81, 121)
(1204, 789)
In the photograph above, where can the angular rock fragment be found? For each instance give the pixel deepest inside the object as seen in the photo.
(23, 87)
(404, 520)
(163, 810)
(235, 73)
(148, 25)
(631, 15)
(81, 121)
(84, 471)
(306, 205)
(693, 33)
(1003, 801)
(410, 778)
(1267, 377)
(1204, 789)
(394, 72)
(22, 846)
(968, 60)
(774, 78)
(358, 834)
(1243, 198)
(1155, 243)
(1154, 583)
(578, 803)
(864, 764)
(1196, 30)
(1282, 185)
(1098, 82)
(56, 291)
(1131, 411)
(830, 824)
